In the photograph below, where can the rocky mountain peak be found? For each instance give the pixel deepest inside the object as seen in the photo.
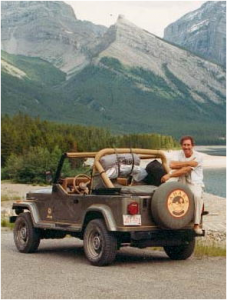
(202, 31)
(122, 31)
(30, 27)
(120, 18)
(19, 9)
(214, 2)
(124, 24)
(135, 47)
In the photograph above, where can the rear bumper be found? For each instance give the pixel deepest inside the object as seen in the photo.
(162, 238)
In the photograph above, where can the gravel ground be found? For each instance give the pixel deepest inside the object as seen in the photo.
(60, 270)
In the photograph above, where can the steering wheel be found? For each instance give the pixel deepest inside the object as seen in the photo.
(82, 187)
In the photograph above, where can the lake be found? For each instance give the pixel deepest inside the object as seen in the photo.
(214, 179)
(212, 150)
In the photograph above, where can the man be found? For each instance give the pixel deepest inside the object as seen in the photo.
(187, 165)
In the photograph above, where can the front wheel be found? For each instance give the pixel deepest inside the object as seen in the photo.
(100, 246)
(181, 252)
(26, 237)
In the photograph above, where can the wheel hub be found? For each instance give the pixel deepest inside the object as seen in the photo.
(23, 233)
(96, 242)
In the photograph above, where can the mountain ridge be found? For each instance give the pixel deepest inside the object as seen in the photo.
(29, 28)
(135, 47)
(202, 31)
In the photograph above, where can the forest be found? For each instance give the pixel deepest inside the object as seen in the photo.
(31, 146)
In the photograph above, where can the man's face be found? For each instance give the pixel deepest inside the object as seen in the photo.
(187, 147)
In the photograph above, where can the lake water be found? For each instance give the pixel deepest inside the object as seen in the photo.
(214, 179)
(212, 150)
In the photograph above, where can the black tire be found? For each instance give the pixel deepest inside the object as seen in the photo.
(100, 246)
(172, 205)
(181, 252)
(26, 237)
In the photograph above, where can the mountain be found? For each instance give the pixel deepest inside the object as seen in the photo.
(48, 30)
(135, 47)
(28, 85)
(133, 82)
(138, 82)
(202, 31)
(31, 68)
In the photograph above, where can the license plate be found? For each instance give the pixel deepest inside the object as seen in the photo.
(132, 219)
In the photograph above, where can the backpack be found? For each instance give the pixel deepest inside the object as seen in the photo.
(155, 172)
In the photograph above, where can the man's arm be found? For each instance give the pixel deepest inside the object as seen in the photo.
(176, 173)
(182, 164)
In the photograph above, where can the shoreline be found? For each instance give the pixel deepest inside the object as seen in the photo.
(214, 162)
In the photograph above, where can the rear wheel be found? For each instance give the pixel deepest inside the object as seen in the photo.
(100, 246)
(26, 237)
(181, 252)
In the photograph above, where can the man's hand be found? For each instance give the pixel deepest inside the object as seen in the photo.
(176, 173)
(165, 178)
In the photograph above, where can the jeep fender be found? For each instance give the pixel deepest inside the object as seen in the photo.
(31, 207)
(107, 214)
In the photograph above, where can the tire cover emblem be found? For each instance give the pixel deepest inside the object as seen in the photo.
(178, 203)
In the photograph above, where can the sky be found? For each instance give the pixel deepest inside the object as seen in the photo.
(153, 16)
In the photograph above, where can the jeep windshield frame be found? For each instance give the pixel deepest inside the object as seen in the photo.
(70, 155)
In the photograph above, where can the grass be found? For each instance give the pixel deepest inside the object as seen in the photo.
(202, 249)
(6, 197)
(5, 223)
(214, 249)
(5, 215)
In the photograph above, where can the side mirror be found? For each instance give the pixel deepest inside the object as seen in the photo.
(49, 177)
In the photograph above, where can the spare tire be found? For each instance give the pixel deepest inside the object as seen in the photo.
(172, 205)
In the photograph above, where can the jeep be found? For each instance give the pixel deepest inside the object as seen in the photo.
(108, 213)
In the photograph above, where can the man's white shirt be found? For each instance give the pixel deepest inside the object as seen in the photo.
(195, 177)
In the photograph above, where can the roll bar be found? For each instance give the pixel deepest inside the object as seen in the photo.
(145, 153)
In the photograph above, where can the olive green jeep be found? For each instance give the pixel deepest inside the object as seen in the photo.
(108, 213)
